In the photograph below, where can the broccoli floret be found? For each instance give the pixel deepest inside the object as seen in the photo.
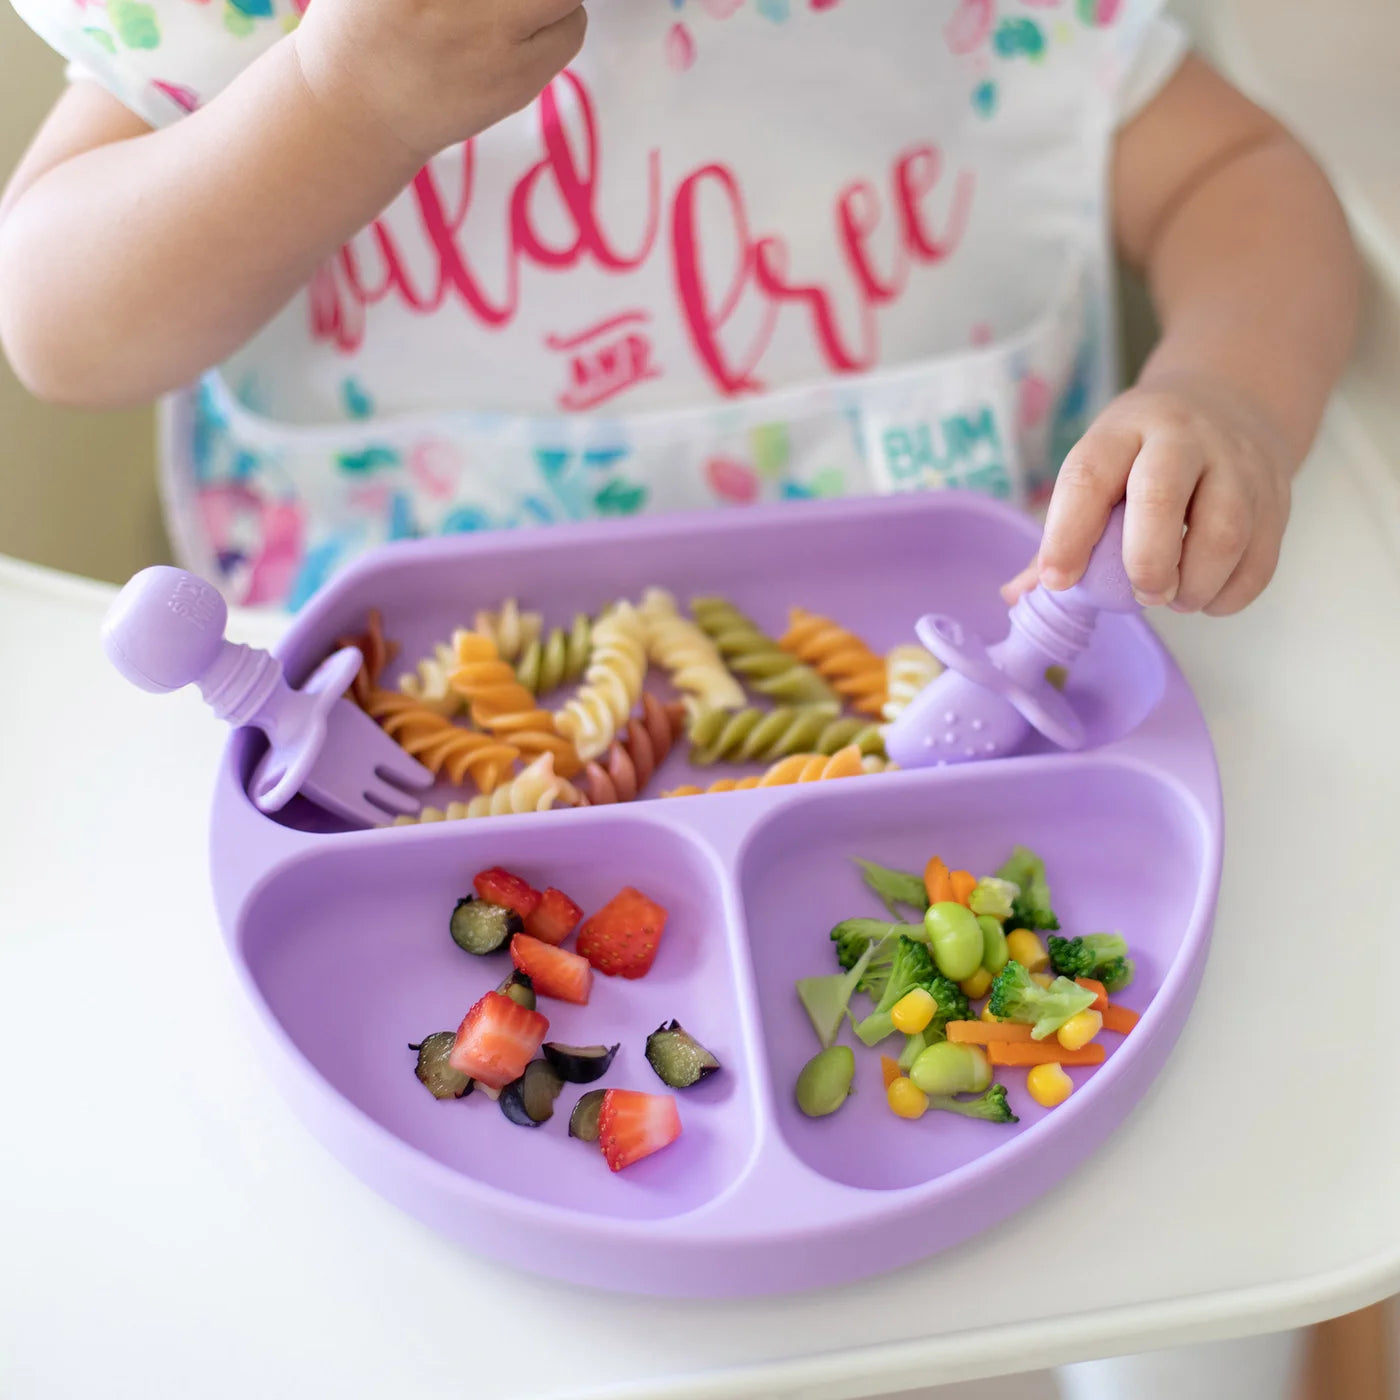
(1102, 956)
(952, 1006)
(853, 936)
(994, 897)
(990, 1106)
(1045, 1009)
(911, 967)
(1031, 908)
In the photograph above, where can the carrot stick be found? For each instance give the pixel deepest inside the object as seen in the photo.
(937, 882)
(1119, 1019)
(1099, 990)
(1046, 1052)
(963, 882)
(890, 1069)
(988, 1033)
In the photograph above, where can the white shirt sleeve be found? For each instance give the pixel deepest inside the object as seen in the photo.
(1147, 70)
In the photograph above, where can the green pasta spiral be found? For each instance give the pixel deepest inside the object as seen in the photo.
(556, 658)
(757, 658)
(766, 735)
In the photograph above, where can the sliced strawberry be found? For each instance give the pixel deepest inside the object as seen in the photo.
(496, 1040)
(555, 919)
(556, 972)
(632, 1126)
(497, 886)
(621, 939)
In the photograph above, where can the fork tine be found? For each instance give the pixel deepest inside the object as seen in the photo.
(403, 770)
(395, 802)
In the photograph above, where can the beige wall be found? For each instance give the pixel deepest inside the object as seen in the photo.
(83, 482)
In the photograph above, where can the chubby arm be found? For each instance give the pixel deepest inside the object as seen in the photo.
(131, 260)
(1255, 278)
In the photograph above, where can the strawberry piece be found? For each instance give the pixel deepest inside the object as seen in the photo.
(632, 1126)
(621, 939)
(555, 919)
(497, 886)
(496, 1040)
(556, 972)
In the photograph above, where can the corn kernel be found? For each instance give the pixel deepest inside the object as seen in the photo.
(913, 1011)
(1026, 948)
(1079, 1030)
(988, 1017)
(1050, 1086)
(906, 1098)
(978, 985)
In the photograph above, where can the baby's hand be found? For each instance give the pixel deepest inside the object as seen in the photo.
(1189, 456)
(431, 73)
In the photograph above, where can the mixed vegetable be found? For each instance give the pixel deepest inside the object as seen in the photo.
(1043, 1005)
(501, 1046)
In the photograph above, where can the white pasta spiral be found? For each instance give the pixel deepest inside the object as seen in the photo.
(910, 669)
(690, 658)
(612, 684)
(537, 788)
(510, 629)
(429, 682)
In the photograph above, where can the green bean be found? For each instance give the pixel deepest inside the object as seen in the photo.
(945, 1068)
(955, 939)
(994, 953)
(825, 1081)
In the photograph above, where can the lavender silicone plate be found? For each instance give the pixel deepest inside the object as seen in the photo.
(341, 937)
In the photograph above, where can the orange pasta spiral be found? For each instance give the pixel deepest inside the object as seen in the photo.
(439, 745)
(376, 652)
(800, 768)
(634, 755)
(838, 656)
(502, 705)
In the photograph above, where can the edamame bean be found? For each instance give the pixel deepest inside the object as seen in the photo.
(825, 1081)
(946, 1068)
(994, 952)
(955, 939)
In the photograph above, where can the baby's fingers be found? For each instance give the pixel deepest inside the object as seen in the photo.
(1160, 486)
(1022, 584)
(1090, 484)
(1219, 530)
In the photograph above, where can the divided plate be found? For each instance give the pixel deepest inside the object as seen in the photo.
(340, 938)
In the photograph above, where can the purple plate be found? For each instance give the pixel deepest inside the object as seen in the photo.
(341, 942)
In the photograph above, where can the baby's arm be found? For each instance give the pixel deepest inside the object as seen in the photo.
(132, 260)
(1255, 278)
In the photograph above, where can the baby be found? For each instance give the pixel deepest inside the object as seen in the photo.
(400, 267)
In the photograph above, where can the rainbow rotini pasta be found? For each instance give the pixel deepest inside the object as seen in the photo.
(376, 652)
(537, 788)
(799, 768)
(612, 684)
(501, 704)
(754, 735)
(757, 658)
(439, 745)
(839, 657)
(687, 654)
(627, 767)
(430, 682)
(511, 630)
(909, 669)
(556, 658)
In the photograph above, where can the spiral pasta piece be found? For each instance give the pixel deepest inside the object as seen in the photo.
(612, 684)
(556, 658)
(799, 768)
(687, 654)
(757, 658)
(537, 788)
(632, 758)
(439, 745)
(838, 656)
(511, 630)
(430, 682)
(376, 652)
(765, 735)
(909, 669)
(499, 703)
